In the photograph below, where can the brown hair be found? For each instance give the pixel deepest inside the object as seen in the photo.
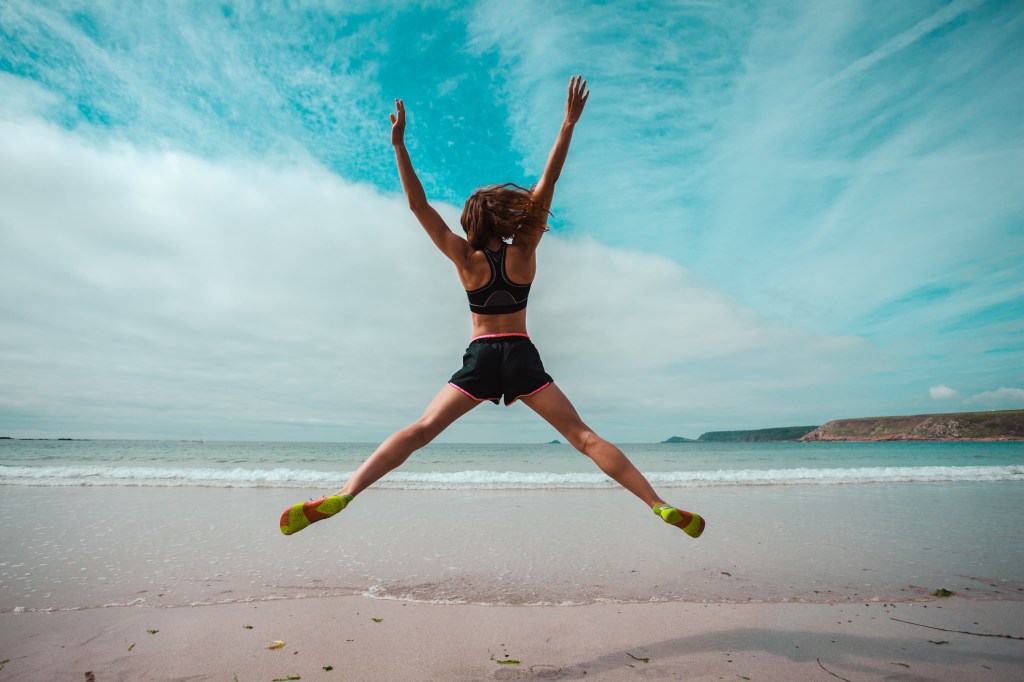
(501, 210)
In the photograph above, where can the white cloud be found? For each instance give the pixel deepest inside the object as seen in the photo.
(942, 392)
(1003, 396)
(24, 98)
(159, 294)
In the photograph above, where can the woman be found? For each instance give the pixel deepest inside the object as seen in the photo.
(496, 263)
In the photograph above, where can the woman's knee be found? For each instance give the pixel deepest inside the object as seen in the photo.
(421, 432)
(583, 439)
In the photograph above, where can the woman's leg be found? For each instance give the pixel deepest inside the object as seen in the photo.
(555, 408)
(445, 408)
(553, 405)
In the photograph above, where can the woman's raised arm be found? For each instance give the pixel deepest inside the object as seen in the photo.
(574, 104)
(455, 247)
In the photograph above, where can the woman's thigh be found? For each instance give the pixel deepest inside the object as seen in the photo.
(556, 409)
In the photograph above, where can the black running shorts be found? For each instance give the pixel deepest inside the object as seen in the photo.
(501, 364)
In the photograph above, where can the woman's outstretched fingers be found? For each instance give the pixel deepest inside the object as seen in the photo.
(577, 99)
(398, 122)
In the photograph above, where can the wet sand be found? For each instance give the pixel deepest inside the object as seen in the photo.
(164, 547)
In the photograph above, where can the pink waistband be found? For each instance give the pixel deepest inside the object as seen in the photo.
(498, 336)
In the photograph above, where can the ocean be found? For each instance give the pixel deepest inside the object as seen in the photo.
(92, 524)
(494, 467)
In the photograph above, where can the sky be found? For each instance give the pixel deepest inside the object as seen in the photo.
(772, 213)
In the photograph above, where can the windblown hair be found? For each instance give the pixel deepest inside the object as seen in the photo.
(501, 210)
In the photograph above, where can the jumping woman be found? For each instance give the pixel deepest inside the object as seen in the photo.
(496, 262)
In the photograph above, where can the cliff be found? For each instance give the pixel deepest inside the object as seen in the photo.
(956, 426)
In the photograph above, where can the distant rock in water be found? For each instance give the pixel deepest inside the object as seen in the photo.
(553, 442)
(679, 439)
(954, 426)
(782, 433)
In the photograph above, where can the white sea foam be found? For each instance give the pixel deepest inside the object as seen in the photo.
(135, 476)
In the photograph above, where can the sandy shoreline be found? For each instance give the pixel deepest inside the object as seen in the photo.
(786, 577)
(768, 544)
(413, 641)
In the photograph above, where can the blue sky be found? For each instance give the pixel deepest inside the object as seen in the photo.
(772, 213)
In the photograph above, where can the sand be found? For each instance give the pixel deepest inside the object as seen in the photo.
(356, 638)
(166, 592)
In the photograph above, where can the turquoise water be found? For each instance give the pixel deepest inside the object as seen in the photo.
(490, 466)
(171, 524)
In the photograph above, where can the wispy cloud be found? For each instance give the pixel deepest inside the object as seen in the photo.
(220, 80)
(1003, 396)
(848, 175)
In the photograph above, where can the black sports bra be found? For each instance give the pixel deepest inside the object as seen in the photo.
(500, 295)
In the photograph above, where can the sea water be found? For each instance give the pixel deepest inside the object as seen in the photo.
(99, 523)
(490, 466)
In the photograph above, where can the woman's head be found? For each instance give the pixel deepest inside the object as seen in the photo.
(500, 211)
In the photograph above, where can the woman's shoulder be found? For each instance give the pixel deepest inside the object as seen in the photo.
(521, 248)
(521, 261)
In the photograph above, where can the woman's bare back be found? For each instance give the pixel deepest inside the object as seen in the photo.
(521, 268)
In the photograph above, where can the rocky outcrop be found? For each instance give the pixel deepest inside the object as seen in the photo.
(957, 426)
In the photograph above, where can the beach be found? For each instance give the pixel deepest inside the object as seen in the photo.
(144, 565)
(546, 576)
(413, 641)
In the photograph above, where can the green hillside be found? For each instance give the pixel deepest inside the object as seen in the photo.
(757, 436)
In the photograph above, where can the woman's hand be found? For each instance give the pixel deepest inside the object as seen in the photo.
(398, 124)
(577, 99)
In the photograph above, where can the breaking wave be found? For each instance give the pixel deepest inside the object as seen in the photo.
(135, 476)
